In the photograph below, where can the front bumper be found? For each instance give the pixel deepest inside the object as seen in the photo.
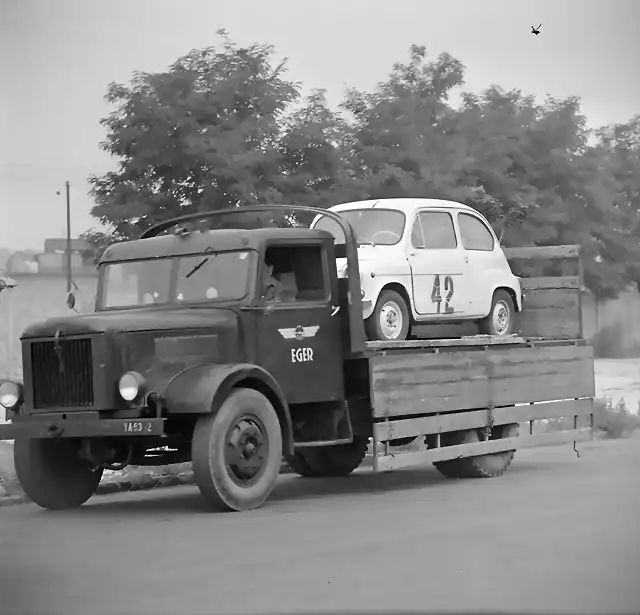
(367, 308)
(80, 427)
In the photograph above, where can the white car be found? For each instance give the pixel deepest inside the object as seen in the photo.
(427, 261)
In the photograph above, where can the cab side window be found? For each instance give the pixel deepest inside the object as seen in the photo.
(297, 273)
(474, 233)
(438, 231)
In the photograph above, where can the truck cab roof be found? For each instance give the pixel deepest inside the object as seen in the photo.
(219, 240)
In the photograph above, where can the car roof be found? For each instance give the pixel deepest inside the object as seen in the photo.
(405, 205)
(197, 242)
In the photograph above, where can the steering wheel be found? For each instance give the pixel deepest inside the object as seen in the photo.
(394, 236)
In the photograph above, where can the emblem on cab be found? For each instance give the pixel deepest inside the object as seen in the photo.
(299, 332)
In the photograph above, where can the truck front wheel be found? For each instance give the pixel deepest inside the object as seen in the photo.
(237, 452)
(52, 473)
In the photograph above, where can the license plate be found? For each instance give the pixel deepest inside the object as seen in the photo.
(138, 427)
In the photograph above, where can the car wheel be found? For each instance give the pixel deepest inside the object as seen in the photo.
(501, 319)
(390, 320)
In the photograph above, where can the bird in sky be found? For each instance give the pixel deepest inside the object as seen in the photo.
(536, 31)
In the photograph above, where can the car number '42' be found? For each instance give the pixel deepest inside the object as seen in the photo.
(436, 294)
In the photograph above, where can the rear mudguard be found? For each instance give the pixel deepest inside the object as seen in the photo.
(202, 389)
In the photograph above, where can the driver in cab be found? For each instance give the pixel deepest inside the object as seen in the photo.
(278, 287)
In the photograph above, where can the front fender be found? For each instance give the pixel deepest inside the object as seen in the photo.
(202, 389)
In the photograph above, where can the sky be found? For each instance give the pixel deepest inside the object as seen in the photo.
(58, 56)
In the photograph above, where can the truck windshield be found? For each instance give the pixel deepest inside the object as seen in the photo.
(371, 226)
(213, 276)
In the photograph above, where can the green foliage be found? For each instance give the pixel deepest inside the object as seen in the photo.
(224, 125)
(202, 135)
(609, 420)
(609, 343)
(614, 420)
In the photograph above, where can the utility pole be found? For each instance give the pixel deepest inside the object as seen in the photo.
(69, 283)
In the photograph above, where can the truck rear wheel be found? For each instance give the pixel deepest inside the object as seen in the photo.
(237, 452)
(482, 466)
(52, 473)
(329, 461)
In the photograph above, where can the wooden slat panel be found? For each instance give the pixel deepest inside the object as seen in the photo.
(568, 281)
(545, 299)
(551, 314)
(566, 251)
(524, 375)
(408, 384)
(410, 458)
(406, 428)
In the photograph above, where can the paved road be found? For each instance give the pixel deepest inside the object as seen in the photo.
(556, 533)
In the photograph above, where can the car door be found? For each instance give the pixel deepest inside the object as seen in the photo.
(486, 261)
(299, 336)
(438, 267)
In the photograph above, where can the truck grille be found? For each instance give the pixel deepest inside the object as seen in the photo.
(62, 378)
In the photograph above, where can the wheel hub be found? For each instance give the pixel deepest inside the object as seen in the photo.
(390, 320)
(246, 450)
(501, 317)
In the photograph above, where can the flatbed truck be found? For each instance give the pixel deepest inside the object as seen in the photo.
(190, 362)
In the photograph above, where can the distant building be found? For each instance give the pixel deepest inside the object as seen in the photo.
(53, 261)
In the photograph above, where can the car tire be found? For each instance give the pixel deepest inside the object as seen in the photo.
(390, 320)
(501, 319)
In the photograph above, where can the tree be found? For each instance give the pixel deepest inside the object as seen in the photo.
(202, 135)
(314, 148)
(217, 129)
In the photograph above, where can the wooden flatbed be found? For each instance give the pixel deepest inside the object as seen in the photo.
(425, 390)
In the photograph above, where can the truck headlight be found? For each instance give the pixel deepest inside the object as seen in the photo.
(10, 395)
(131, 386)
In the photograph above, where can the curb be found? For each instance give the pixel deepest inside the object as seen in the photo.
(12, 500)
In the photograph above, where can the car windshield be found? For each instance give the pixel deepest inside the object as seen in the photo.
(213, 276)
(371, 226)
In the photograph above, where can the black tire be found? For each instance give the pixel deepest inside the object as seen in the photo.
(299, 465)
(502, 303)
(52, 473)
(237, 453)
(390, 307)
(482, 466)
(329, 461)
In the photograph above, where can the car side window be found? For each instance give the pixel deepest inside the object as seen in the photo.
(438, 230)
(294, 274)
(474, 234)
(417, 240)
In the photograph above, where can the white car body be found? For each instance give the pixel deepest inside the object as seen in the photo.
(466, 276)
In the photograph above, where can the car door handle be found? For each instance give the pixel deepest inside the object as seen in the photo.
(335, 309)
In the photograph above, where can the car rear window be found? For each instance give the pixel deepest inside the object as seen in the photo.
(474, 233)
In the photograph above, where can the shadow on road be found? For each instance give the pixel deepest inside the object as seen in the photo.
(288, 490)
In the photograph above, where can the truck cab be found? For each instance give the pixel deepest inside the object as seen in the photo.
(180, 320)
